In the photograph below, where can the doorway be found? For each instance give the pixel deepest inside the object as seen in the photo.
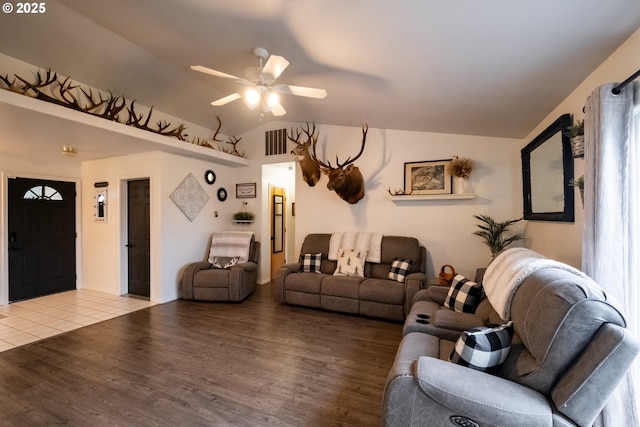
(138, 238)
(42, 237)
(278, 228)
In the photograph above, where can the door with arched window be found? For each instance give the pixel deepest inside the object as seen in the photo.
(42, 237)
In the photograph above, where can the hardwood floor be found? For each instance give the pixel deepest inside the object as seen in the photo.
(204, 364)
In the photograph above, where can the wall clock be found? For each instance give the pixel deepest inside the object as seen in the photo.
(222, 194)
(210, 177)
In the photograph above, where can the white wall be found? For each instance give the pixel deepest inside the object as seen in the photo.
(563, 241)
(175, 241)
(444, 227)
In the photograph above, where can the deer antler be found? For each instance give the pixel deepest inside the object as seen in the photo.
(93, 104)
(215, 134)
(398, 192)
(309, 131)
(365, 129)
(234, 141)
(314, 156)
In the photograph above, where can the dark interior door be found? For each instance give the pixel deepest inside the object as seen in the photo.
(138, 238)
(42, 237)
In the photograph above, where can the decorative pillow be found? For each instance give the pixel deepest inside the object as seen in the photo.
(311, 263)
(224, 261)
(399, 269)
(484, 347)
(464, 295)
(350, 263)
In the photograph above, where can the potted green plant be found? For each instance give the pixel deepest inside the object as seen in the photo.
(580, 184)
(493, 232)
(576, 133)
(243, 217)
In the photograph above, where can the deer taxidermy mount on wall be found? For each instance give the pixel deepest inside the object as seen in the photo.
(308, 164)
(345, 179)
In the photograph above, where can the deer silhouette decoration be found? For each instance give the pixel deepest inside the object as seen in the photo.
(309, 165)
(345, 179)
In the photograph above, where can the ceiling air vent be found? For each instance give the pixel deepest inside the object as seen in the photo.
(275, 142)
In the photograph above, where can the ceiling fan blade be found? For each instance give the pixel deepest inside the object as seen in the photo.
(216, 73)
(273, 68)
(227, 99)
(278, 110)
(309, 92)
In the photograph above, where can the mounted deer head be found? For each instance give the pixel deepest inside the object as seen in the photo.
(345, 179)
(309, 165)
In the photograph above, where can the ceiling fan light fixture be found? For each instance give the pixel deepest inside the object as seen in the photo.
(252, 97)
(271, 99)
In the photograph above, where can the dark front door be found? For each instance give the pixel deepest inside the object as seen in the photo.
(138, 236)
(42, 237)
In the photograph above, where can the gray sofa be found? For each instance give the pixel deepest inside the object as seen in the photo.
(569, 351)
(372, 295)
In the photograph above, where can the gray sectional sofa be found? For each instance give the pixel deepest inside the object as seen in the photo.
(569, 350)
(372, 295)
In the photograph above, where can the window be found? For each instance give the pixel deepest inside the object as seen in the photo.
(42, 192)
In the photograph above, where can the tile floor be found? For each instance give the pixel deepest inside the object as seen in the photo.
(32, 320)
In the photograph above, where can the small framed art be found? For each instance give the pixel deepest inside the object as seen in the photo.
(246, 190)
(428, 177)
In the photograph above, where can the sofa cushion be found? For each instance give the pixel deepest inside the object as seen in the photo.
(483, 347)
(382, 290)
(305, 282)
(464, 295)
(311, 263)
(350, 263)
(400, 268)
(340, 286)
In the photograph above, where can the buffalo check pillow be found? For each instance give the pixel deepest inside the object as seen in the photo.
(483, 348)
(464, 295)
(399, 269)
(311, 263)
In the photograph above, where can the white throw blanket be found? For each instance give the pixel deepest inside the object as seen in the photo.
(230, 244)
(358, 241)
(507, 272)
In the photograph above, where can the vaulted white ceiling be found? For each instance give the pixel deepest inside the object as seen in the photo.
(479, 67)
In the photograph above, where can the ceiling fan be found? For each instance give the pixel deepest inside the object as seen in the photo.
(260, 80)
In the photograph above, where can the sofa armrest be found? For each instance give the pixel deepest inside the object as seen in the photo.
(438, 294)
(186, 283)
(277, 284)
(481, 397)
(449, 319)
(243, 278)
(413, 283)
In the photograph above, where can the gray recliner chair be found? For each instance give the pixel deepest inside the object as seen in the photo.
(205, 282)
(570, 350)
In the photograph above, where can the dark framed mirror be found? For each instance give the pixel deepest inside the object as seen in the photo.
(547, 169)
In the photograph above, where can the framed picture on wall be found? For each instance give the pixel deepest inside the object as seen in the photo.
(428, 177)
(246, 190)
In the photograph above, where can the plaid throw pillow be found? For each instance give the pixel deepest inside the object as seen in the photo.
(464, 295)
(399, 269)
(484, 347)
(311, 263)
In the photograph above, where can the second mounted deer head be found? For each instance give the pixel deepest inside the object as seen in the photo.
(308, 164)
(345, 179)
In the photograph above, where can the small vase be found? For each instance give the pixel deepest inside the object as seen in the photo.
(460, 185)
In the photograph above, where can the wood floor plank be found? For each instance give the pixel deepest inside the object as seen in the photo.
(256, 363)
